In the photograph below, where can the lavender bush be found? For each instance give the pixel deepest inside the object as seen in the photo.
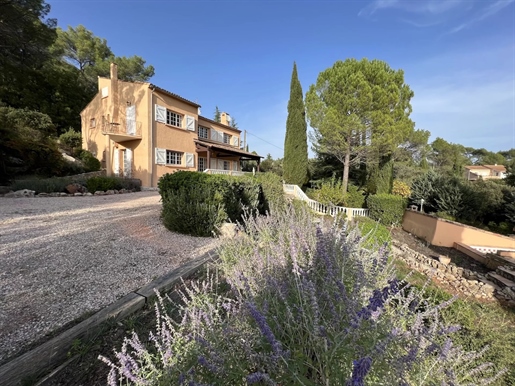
(303, 305)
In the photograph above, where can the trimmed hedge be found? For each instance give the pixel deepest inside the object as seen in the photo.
(388, 209)
(208, 200)
(272, 186)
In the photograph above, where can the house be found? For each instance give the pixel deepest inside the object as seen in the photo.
(139, 130)
(484, 172)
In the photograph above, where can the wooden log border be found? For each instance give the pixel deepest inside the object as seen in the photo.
(38, 362)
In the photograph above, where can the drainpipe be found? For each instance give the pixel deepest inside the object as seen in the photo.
(151, 127)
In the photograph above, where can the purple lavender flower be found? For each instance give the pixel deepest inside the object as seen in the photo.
(265, 328)
(360, 369)
(259, 377)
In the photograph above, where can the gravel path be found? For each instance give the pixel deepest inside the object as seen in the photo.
(61, 257)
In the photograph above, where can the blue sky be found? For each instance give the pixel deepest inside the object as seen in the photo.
(458, 56)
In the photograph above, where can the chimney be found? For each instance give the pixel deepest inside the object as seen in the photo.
(225, 119)
(114, 71)
(114, 92)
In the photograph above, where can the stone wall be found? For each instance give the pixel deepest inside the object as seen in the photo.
(464, 282)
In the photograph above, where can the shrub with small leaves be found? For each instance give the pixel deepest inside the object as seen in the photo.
(388, 209)
(401, 189)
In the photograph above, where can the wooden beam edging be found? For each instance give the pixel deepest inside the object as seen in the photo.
(37, 362)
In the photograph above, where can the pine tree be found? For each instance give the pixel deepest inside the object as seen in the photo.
(217, 114)
(295, 164)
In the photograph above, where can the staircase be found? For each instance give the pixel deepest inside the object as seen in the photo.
(331, 210)
(503, 277)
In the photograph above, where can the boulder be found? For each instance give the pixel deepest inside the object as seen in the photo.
(75, 188)
(444, 259)
(21, 193)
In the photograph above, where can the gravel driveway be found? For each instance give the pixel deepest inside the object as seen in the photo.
(61, 257)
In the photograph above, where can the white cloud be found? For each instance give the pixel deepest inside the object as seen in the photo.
(428, 13)
(484, 13)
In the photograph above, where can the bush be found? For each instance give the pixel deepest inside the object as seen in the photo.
(91, 163)
(386, 208)
(401, 189)
(273, 193)
(70, 140)
(46, 185)
(330, 192)
(292, 304)
(191, 211)
(102, 183)
(232, 196)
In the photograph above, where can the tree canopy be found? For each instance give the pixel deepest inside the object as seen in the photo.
(359, 110)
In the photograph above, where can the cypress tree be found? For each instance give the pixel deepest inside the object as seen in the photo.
(295, 164)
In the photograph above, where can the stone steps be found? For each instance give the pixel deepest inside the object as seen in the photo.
(506, 272)
(501, 281)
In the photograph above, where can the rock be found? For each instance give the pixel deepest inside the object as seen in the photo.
(228, 230)
(54, 194)
(43, 195)
(21, 193)
(109, 192)
(75, 188)
(87, 194)
(99, 193)
(62, 195)
(444, 259)
(77, 194)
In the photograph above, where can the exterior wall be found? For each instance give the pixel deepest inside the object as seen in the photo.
(445, 233)
(105, 109)
(220, 127)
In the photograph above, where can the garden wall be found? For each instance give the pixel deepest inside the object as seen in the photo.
(445, 233)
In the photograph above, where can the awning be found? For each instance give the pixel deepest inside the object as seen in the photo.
(222, 150)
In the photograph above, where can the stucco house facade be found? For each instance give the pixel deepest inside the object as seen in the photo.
(139, 130)
(484, 172)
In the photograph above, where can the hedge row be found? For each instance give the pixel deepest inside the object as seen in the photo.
(388, 209)
(198, 203)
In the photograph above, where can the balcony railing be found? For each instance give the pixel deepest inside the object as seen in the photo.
(123, 130)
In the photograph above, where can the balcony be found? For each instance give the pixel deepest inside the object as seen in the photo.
(122, 131)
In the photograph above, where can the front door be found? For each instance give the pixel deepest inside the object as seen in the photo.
(116, 159)
(127, 163)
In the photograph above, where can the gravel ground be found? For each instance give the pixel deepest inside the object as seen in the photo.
(61, 257)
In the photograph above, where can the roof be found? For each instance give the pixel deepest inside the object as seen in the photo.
(221, 124)
(218, 146)
(154, 87)
(499, 168)
(477, 167)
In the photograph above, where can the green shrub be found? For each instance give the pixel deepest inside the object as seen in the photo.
(272, 187)
(232, 196)
(401, 189)
(91, 163)
(354, 198)
(330, 192)
(70, 140)
(102, 183)
(69, 168)
(386, 208)
(46, 185)
(193, 211)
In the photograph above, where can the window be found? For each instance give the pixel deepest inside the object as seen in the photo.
(173, 119)
(202, 132)
(227, 165)
(173, 158)
(92, 123)
(227, 138)
(202, 162)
